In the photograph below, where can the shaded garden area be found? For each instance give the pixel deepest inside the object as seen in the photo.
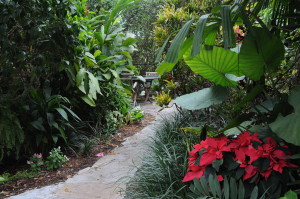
(231, 69)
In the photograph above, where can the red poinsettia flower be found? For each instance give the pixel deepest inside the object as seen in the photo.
(220, 178)
(250, 171)
(193, 174)
(245, 138)
(267, 173)
(208, 151)
(215, 148)
(280, 164)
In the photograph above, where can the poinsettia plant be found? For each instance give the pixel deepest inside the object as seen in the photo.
(245, 157)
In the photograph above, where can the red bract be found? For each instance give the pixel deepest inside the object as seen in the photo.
(211, 151)
(246, 138)
(214, 149)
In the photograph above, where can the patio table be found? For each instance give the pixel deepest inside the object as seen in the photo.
(137, 82)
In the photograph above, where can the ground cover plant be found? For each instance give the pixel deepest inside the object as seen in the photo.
(163, 165)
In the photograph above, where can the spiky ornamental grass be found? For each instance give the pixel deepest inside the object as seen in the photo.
(164, 165)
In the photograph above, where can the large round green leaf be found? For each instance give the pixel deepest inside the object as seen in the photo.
(214, 63)
(261, 51)
(203, 98)
(288, 128)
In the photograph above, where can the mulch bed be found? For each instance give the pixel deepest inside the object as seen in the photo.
(75, 163)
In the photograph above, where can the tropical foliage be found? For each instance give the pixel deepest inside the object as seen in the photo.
(59, 71)
(242, 62)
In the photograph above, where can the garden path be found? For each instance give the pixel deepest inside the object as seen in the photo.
(107, 177)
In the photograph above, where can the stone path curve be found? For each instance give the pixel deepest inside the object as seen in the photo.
(107, 176)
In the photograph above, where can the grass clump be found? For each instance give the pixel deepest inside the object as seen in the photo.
(164, 165)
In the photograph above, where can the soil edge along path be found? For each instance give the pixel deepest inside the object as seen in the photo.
(108, 175)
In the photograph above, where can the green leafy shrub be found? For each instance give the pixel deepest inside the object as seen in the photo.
(36, 162)
(163, 99)
(55, 159)
(11, 133)
(137, 114)
(4, 178)
(42, 88)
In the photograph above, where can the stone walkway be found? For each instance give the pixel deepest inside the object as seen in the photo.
(108, 175)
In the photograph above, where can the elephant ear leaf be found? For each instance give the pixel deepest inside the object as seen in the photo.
(260, 52)
(288, 127)
(203, 98)
(215, 64)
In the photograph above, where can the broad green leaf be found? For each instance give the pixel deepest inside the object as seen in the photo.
(261, 51)
(116, 20)
(89, 55)
(218, 187)
(63, 113)
(204, 185)
(254, 193)
(294, 99)
(289, 195)
(226, 188)
(97, 53)
(296, 156)
(233, 188)
(80, 76)
(241, 190)
(55, 138)
(214, 64)
(61, 131)
(114, 73)
(38, 124)
(236, 130)
(161, 50)
(227, 27)
(99, 37)
(129, 41)
(126, 54)
(266, 106)
(107, 76)
(165, 67)
(86, 85)
(212, 185)
(210, 33)
(238, 120)
(287, 128)
(88, 100)
(90, 59)
(71, 112)
(255, 128)
(198, 187)
(94, 86)
(173, 52)
(197, 42)
(185, 50)
(203, 98)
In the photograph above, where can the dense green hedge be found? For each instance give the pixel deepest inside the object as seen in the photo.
(59, 69)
